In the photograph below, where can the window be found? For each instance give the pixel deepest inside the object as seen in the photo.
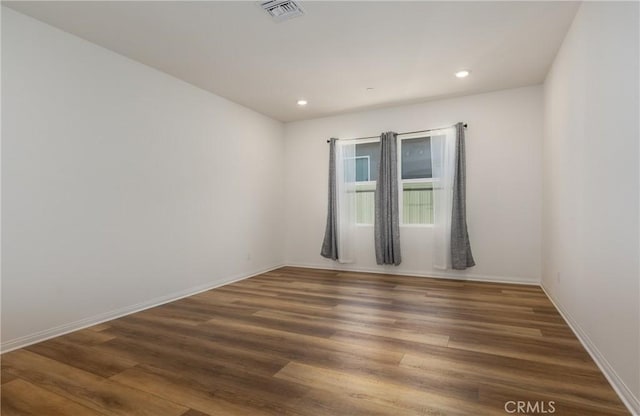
(367, 159)
(416, 183)
(414, 171)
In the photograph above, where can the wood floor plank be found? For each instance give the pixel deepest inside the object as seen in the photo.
(523, 352)
(299, 347)
(389, 330)
(99, 327)
(309, 342)
(85, 388)
(452, 326)
(7, 377)
(21, 398)
(87, 337)
(331, 403)
(400, 397)
(423, 337)
(203, 398)
(82, 357)
(591, 388)
(193, 412)
(182, 352)
(363, 316)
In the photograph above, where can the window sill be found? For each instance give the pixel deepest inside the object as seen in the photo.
(401, 225)
(416, 225)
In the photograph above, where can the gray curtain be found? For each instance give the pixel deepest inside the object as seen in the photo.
(461, 256)
(330, 243)
(387, 218)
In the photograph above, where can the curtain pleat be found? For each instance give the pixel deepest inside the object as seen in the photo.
(387, 218)
(330, 242)
(461, 256)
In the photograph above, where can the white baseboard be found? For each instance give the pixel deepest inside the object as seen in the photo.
(127, 310)
(626, 395)
(435, 274)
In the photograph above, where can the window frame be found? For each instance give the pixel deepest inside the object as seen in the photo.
(401, 181)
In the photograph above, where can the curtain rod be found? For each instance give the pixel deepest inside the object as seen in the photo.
(399, 134)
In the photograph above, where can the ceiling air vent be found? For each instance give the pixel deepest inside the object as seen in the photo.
(282, 9)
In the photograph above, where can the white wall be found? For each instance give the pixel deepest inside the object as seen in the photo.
(504, 145)
(122, 186)
(590, 208)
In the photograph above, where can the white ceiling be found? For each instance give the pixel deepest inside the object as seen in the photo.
(406, 51)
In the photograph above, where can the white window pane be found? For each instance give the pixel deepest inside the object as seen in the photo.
(417, 200)
(365, 203)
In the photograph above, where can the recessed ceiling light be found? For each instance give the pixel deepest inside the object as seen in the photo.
(302, 102)
(463, 73)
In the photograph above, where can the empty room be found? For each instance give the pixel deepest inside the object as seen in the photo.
(320, 208)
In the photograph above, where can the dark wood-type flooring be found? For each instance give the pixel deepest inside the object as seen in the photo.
(316, 342)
